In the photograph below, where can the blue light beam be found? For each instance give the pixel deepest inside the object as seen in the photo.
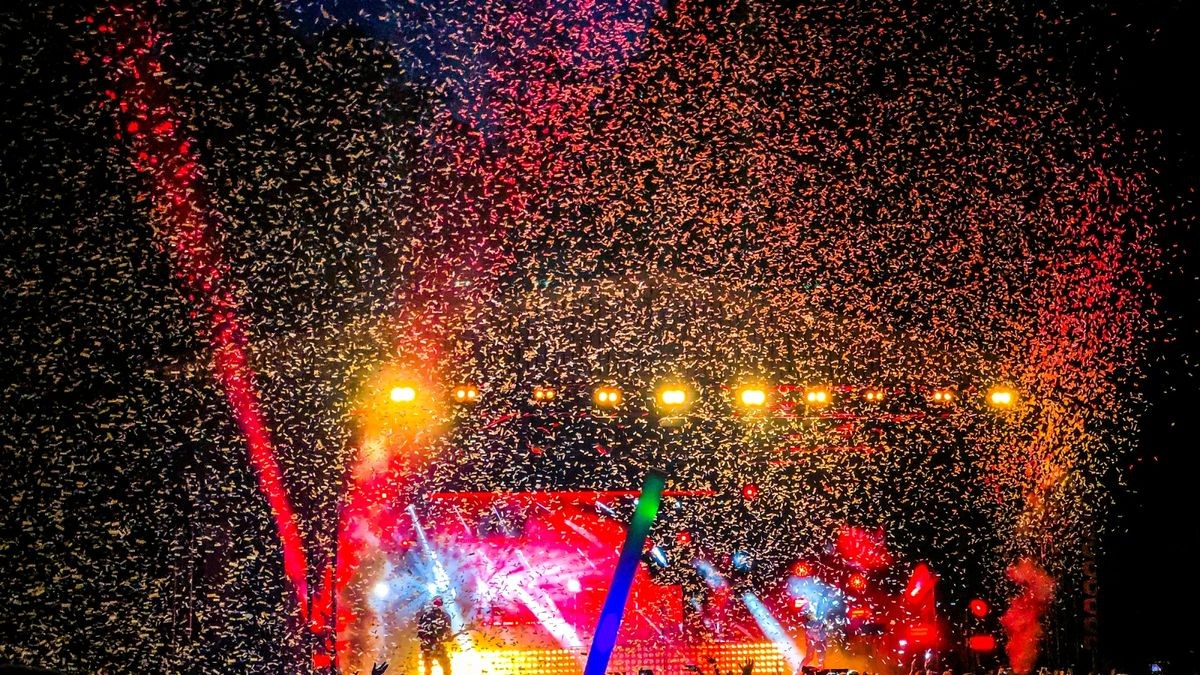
(618, 593)
(774, 631)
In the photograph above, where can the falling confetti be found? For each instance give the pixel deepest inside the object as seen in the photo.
(318, 311)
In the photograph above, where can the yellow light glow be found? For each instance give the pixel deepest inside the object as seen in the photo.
(672, 396)
(1001, 397)
(466, 393)
(672, 401)
(873, 395)
(541, 393)
(394, 406)
(607, 397)
(752, 397)
(817, 397)
(944, 396)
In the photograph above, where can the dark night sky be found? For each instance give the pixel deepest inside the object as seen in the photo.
(1149, 601)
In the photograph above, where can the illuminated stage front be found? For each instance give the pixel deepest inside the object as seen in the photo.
(525, 575)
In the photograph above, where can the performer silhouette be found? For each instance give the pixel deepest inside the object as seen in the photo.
(433, 631)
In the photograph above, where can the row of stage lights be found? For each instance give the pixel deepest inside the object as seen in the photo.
(677, 398)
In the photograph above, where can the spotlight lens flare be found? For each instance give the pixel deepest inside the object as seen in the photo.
(752, 397)
(1001, 397)
(817, 397)
(673, 397)
(607, 397)
(466, 393)
(943, 396)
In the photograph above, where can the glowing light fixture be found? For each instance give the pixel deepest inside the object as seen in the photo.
(403, 394)
(874, 395)
(466, 394)
(857, 582)
(673, 398)
(943, 396)
(802, 569)
(979, 608)
(817, 397)
(607, 396)
(752, 397)
(1001, 397)
(544, 394)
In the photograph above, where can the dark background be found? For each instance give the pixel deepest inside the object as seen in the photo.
(1144, 56)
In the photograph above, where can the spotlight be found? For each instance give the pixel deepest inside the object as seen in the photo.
(857, 582)
(802, 569)
(683, 538)
(874, 395)
(403, 394)
(607, 396)
(749, 492)
(673, 398)
(751, 397)
(943, 396)
(466, 394)
(817, 397)
(573, 585)
(979, 608)
(1001, 397)
(544, 394)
